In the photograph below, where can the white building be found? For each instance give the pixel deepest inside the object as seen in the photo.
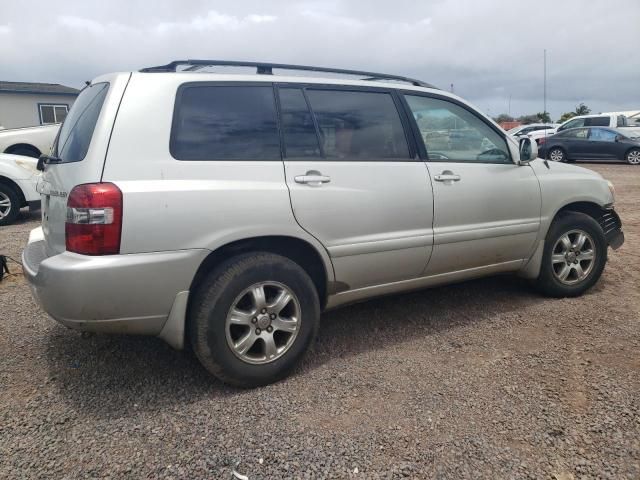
(25, 104)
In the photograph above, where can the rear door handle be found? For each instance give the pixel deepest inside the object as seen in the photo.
(447, 177)
(312, 178)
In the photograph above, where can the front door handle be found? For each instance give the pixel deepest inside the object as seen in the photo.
(447, 176)
(313, 178)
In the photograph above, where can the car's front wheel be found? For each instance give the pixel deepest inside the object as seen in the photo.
(253, 318)
(9, 204)
(633, 156)
(574, 257)
(557, 155)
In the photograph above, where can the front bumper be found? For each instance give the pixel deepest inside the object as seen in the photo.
(612, 228)
(131, 293)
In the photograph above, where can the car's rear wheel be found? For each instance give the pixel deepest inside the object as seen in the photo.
(9, 204)
(574, 257)
(557, 155)
(253, 318)
(633, 156)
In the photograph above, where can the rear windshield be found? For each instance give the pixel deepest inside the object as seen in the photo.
(76, 131)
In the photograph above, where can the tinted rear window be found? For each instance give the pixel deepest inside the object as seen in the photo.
(77, 130)
(214, 122)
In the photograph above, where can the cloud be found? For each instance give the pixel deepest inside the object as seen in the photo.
(214, 20)
(491, 50)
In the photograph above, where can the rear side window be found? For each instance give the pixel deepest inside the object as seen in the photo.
(596, 122)
(358, 125)
(298, 129)
(76, 132)
(214, 122)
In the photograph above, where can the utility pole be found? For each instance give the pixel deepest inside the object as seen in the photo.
(452, 88)
(509, 112)
(545, 82)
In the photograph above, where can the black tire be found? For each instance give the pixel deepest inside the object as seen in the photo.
(217, 294)
(25, 150)
(8, 192)
(547, 282)
(562, 155)
(632, 157)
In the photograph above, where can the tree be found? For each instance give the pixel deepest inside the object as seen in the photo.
(503, 117)
(582, 109)
(543, 117)
(527, 119)
(566, 116)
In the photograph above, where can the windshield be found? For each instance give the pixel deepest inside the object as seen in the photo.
(76, 131)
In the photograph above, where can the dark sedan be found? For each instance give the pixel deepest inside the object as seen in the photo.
(592, 143)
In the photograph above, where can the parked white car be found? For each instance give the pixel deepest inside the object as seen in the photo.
(28, 141)
(610, 120)
(18, 179)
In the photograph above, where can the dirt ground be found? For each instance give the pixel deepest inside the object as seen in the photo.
(484, 379)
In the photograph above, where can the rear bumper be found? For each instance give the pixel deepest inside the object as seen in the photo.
(131, 293)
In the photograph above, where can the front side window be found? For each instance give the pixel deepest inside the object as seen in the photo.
(602, 135)
(452, 133)
(216, 122)
(622, 121)
(578, 122)
(52, 113)
(358, 125)
(576, 134)
(76, 132)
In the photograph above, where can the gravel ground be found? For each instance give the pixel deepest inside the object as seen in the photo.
(479, 380)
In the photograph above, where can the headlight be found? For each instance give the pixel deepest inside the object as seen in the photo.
(612, 189)
(30, 165)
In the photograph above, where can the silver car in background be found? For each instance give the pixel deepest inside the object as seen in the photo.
(229, 211)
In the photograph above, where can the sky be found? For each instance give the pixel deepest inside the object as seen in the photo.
(490, 50)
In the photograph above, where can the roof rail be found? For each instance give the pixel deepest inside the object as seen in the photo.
(263, 68)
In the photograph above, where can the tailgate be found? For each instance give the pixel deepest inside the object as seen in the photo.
(78, 153)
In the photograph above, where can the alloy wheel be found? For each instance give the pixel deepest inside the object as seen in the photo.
(573, 257)
(5, 205)
(263, 322)
(633, 157)
(556, 155)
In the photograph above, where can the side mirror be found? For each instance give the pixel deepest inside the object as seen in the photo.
(40, 164)
(619, 138)
(528, 150)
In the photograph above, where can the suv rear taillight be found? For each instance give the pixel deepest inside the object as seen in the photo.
(94, 219)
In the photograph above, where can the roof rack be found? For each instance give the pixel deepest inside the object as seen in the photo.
(263, 68)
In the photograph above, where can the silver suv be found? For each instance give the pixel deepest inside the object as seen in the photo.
(229, 210)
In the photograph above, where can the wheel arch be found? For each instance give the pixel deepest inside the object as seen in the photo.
(298, 250)
(7, 181)
(531, 269)
(629, 150)
(17, 146)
